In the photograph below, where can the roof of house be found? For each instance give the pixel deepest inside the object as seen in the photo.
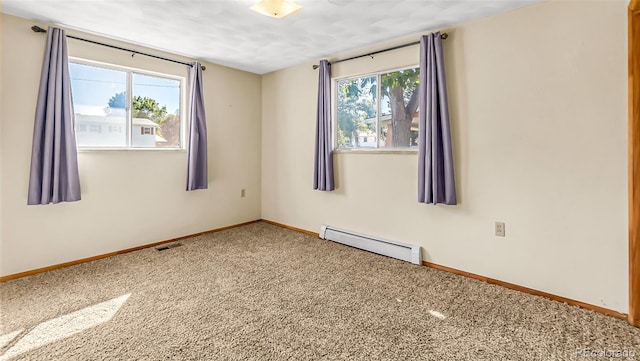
(113, 120)
(145, 122)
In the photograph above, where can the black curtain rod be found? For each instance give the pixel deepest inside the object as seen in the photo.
(442, 36)
(37, 29)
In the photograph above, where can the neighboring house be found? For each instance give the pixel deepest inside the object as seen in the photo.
(110, 131)
(368, 138)
(145, 133)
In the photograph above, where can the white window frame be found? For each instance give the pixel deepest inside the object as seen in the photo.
(334, 113)
(129, 91)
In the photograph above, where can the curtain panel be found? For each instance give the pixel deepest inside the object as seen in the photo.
(197, 166)
(436, 180)
(54, 173)
(323, 163)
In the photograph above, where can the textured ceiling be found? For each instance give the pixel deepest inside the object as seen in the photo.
(226, 32)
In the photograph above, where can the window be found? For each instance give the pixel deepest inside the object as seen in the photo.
(146, 130)
(117, 107)
(378, 110)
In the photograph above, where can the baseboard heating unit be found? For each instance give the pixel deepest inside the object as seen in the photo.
(385, 247)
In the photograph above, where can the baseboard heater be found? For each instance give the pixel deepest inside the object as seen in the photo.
(385, 247)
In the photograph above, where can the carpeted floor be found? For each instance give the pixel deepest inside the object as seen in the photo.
(260, 292)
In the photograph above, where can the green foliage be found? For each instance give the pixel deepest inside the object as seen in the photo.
(143, 107)
(356, 104)
(343, 140)
(407, 79)
(118, 101)
(148, 108)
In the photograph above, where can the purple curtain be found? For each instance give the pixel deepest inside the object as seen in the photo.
(197, 171)
(54, 174)
(436, 181)
(323, 164)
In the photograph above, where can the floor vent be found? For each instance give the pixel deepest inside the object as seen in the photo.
(167, 246)
(395, 249)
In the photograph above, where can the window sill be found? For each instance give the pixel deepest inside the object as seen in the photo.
(91, 150)
(375, 151)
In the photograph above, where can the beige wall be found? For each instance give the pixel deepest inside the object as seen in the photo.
(129, 198)
(538, 104)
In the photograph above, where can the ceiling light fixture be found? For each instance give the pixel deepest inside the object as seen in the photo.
(276, 8)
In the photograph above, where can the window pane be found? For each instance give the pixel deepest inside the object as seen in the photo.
(99, 102)
(156, 112)
(399, 109)
(357, 112)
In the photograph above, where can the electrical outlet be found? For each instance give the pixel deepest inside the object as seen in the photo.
(243, 193)
(500, 229)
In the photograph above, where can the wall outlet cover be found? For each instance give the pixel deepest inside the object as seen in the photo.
(500, 229)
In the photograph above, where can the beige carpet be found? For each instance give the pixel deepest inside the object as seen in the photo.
(260, 292)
